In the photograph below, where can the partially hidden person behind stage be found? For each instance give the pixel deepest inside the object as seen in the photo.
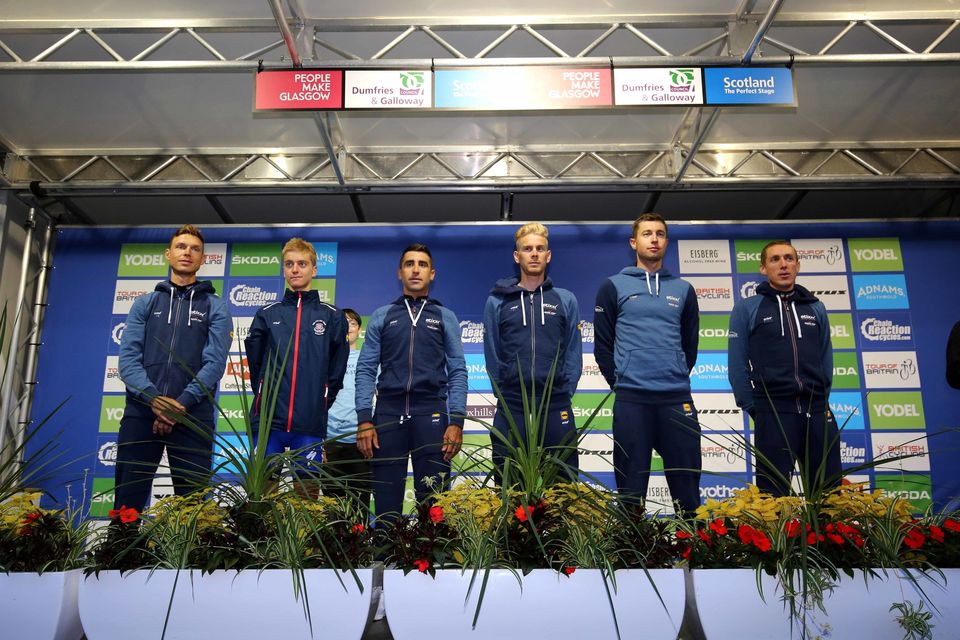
(173, 353)
(530, 329)
(781, 371)
(421, 390)
(646, 328)
(342, 460)
(299, 345)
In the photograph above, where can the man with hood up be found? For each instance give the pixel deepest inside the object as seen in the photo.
(646, 327)
(172, 355)
(528, 325)
(781, 370)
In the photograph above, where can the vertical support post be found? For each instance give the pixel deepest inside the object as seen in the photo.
(506, 206)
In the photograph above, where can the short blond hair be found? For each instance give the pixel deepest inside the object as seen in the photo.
(532, 229)
(301, 245)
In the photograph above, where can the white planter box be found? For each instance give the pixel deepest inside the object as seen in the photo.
(729, 606)
(225, 604)
(40, 606)
(542, 604)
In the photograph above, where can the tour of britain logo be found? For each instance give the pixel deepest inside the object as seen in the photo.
(111, 376)
(891, 370)
(591, 379)
(820, 255)
(882, 291)
(126, 291)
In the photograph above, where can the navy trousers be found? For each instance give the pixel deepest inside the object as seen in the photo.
(420, 438)
(559, 437)
(787, 438)
(671, 429)
(138, 454)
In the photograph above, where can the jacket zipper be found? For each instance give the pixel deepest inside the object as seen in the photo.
(296, 357)
(533, 347)
(796, 355)
(413, 328)
(173, 341)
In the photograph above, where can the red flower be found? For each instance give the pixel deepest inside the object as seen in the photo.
(792, 528)
(421, 565)
(524, 512)
(836, 538)
(914, 538)
(683, 535)
(686, 554)
(936, 533)
(569, 570)
(357, 528)
(113, 514)
(749, 535)
(952, 525)
(128, 515)
(30, 518)
(718, 527)
(436, 514)
(703, 535)
(813, 538)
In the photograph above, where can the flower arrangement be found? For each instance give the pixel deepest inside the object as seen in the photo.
(35, 539)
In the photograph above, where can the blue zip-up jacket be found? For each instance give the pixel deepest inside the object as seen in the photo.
(312, 336)
(646, 331)
(534, 327)
(175, 344)
(420, 356)
(779, 351)
(342, 416)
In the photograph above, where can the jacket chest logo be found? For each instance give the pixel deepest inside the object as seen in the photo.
(319, 327)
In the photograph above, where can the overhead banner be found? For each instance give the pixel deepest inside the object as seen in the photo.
(657, 87)
(522, 88)
(313, 90)
(771, 86)
(388, 89)
(886, 287)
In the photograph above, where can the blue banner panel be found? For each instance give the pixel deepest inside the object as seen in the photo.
(749, 85)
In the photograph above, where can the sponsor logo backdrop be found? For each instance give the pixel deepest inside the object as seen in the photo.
(885, 284)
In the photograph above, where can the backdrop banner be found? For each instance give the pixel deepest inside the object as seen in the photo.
(889, 288)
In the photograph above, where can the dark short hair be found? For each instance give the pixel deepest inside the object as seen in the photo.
(648, 217)
(189, 230)
(353, 315)
(417, 246)
(763, 252)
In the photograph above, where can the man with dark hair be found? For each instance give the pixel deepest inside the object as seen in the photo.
(307, 336)
(172, 355)
(421, 391)
(342, 459)
(646, 327)
(531, 328)
(781, 370)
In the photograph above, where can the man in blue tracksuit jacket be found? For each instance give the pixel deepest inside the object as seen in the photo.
(646, 328)
(781, 370)
(309, 337)
(528, 326)
(172, 355)
(421, 390)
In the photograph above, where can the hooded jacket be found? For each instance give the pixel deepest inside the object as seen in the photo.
(415, 342)
(311, 336)
(534, 328)
(175, 344)
(779, 351)
(646, 330)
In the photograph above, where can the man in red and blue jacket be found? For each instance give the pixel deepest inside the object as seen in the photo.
(421, 389)
(781, 370)
(309, 338)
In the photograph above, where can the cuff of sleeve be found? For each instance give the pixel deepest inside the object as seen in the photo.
(149, 394)
(364, 415)
(188, 400)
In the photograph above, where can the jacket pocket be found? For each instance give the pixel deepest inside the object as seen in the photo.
(654, 370)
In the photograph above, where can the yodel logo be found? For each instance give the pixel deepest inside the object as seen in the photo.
(113, 413)
(243, 295)
(471, 332)
(839, 331)
(144, 260)
(895, 411)
(875, 254)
